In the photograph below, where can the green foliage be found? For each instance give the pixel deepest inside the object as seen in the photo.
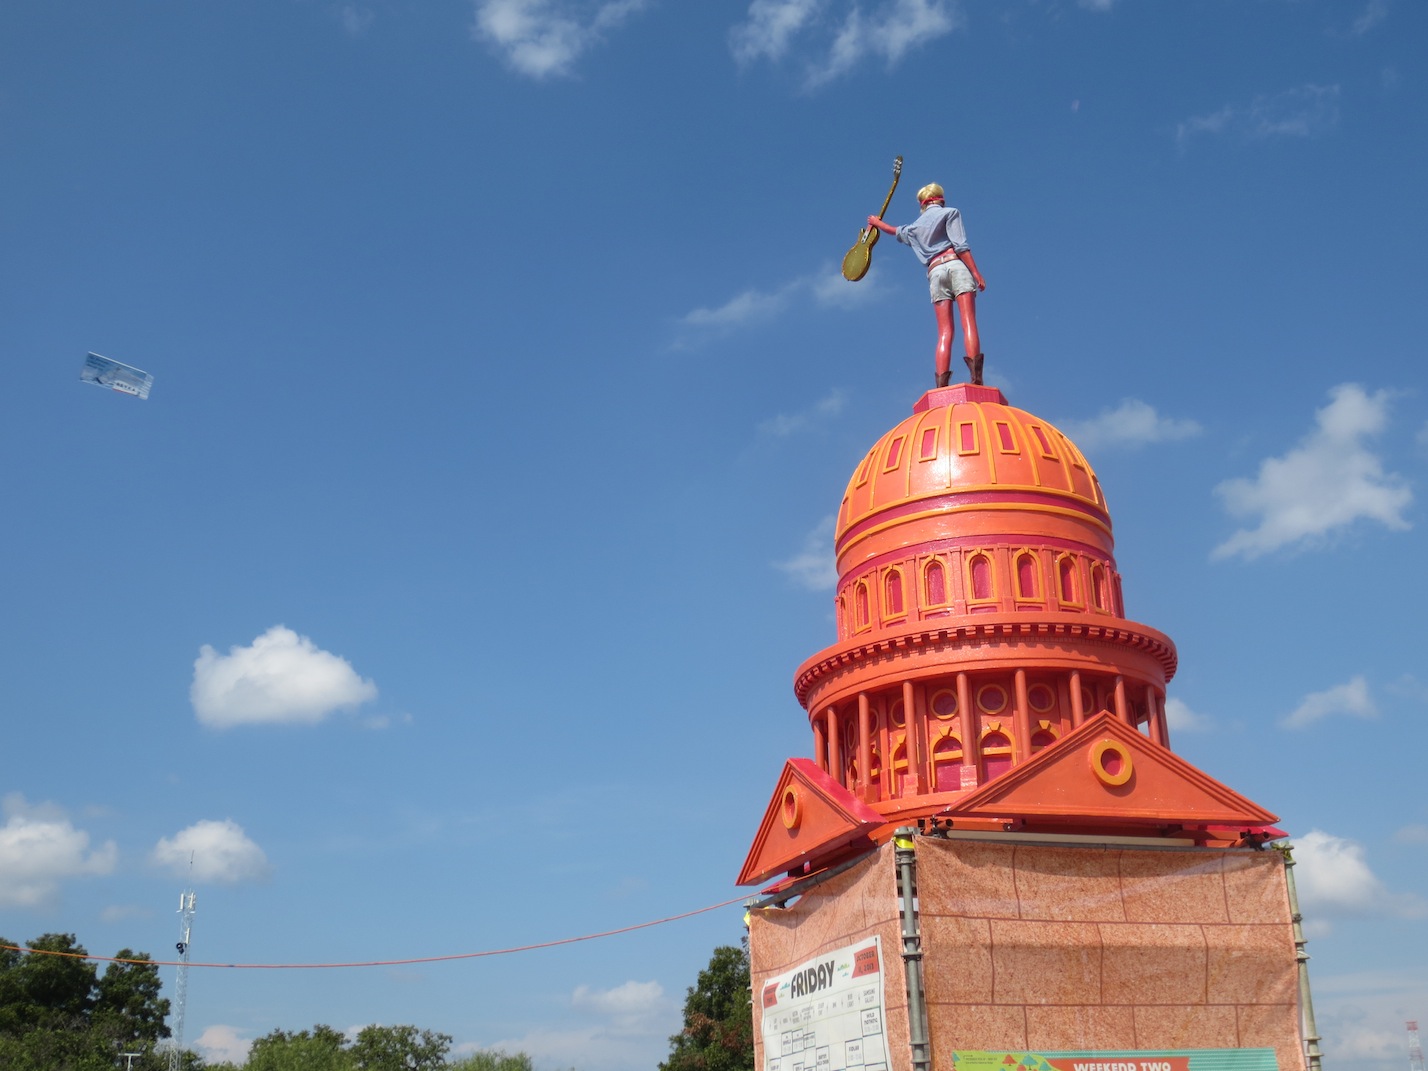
(492, 1060)
(321, 1049)
(718, 1032)
(58, 1014)
(399, 1048)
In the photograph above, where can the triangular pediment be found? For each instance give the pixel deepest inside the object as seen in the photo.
(1105, 772)
(810, 817)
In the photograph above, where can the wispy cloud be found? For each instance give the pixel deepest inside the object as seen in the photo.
(1374, 12)
(212, 851)
(625, 1026)
(1302, 112)
(770, 28)
(1180, 718)
(355, 18)
(1323, 485)
(814, 566)
(786, 424)
(837, 35)
(825, 287)
(1334, 879)
(282, 678)
(544, 38)
(1351, 698)
(40, 849)
(1133, 423)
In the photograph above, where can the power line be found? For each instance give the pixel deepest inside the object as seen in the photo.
(385, 962)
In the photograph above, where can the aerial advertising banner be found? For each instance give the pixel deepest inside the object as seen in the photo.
(126, 379)
(828, 1013)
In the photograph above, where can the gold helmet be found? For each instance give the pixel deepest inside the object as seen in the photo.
(930, 192)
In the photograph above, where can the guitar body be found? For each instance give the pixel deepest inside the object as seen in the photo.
(859, 259)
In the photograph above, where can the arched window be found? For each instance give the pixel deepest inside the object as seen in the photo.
(934, 583)
(860, 599)
(1098, 586)
(980, 570)
(996, 753)
(947, 762)
(842, 616)
(892, 588)
(1026, 586)
(1066, 578)
(902, 776)
(1043, 736)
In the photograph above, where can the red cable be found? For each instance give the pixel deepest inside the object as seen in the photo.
(378, 962)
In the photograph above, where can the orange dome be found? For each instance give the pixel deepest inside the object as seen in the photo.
(971, 506)
(968, 464)
(979, 607)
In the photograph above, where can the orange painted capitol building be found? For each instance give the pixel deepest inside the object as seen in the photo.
(994, 858)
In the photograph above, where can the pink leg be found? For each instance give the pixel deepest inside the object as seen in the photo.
(967, 303)
(945, 327)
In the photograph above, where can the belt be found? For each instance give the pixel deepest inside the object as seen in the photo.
(942, 258)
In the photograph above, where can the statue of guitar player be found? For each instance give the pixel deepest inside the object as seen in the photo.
(939, 240)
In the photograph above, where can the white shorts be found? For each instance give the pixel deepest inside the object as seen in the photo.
(949, 279)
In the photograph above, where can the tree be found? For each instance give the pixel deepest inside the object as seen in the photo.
(321, 1049)
(492, 1060)
(718, 1032)
(127, 1005)
(399, 1048)
(56, 1014)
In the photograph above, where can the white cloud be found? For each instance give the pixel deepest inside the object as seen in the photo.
(631, 1027)
(895, 28)
(221, 853)
(356, 19)
(815, 567)
(786, 424)
(40, 849)
(748, 307)
(1098, 5)
(1360, 1015)
(1180, 718)
(1324, 484)
(770, 27)
(1132, 423)
(1334, 879)
(544, 38)
(1374, 12)
(1411, 835)
(282, 678)
(218, 1043)
(888, 29)
(1351, 698)
(1301, 112)
(630, 1006)
(826, 287)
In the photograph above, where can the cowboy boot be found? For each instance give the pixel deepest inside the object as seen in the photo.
(944, 378)
(974, 365)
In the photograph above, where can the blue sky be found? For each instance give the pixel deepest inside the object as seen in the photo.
(446, 592)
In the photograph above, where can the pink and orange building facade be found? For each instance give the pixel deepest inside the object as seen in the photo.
(990, 718)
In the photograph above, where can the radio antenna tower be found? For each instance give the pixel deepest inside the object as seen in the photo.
(186, 907)
(1415, 1049)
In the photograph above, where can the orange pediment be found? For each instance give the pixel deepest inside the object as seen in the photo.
(810, 817)
(1105, 771)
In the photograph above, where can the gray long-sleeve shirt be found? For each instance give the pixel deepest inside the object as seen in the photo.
(935, 231)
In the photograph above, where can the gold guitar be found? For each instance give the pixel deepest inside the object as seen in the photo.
(858, 259)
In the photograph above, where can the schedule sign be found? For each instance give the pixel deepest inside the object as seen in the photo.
(827, 1013)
